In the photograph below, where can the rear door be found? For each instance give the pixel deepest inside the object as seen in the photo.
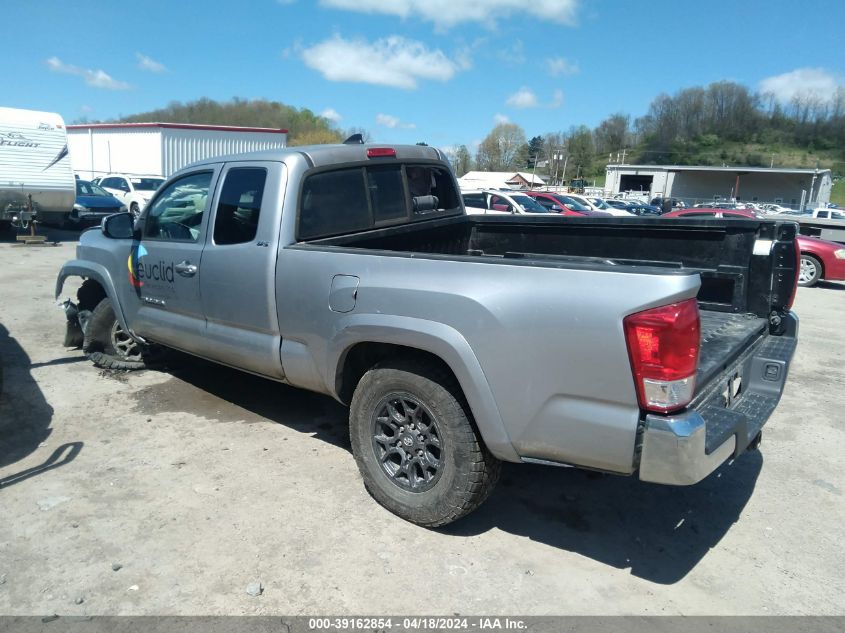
(237, 284)
(165, 266)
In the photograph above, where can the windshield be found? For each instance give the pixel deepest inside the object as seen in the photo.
(601, 204)
(530, 204)
(85, 188)
(572, 203)
(146, 184)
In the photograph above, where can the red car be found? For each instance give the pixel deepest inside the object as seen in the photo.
(820, 259)
(550, 200)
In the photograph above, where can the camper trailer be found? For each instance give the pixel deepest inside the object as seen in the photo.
(34, 167)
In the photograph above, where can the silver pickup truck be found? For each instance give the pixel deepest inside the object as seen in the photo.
(655, 347)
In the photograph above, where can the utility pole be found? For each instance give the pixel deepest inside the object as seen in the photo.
(563, 177)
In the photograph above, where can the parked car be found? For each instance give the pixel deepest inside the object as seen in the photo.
(675, 202)
(316, 269)
(92, 204)
(133, 191)
(712, 212)
(602, 205)
(500, 202)
(644, 210)
(554, 203)
(570, 205)
(604, 208)
(820, 259)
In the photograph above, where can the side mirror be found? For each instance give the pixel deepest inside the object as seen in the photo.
(119, 226)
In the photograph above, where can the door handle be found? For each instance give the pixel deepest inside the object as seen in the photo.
(186, 269)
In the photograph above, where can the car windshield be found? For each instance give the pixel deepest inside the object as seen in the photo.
(530, 204)
(85, 188)
(572, 203)
(146, 184)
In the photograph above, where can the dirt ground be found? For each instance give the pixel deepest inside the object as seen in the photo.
(171, 492)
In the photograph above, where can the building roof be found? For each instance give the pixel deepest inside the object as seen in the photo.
(495, 177)
(178, 126)
(734, 169)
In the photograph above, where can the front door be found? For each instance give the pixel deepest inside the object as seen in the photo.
(165, 266)
(239, 268)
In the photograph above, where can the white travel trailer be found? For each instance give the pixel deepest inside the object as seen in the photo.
(34, 164)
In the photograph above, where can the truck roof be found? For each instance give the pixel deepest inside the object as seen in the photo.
(320, 155)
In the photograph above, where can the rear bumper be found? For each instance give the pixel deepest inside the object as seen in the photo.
(684, 448)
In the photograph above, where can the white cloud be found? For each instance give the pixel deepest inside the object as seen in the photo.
(557, 99)
(147, 63)
(390, 121)
(331, 114)
(556, 66)
(522, 98)
(391, 61)
(448, 13)
(500, 118)
(815, 82)
(96, 78)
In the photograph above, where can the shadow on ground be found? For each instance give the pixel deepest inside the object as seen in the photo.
(25, 414)
(219, 393)
(659, 532)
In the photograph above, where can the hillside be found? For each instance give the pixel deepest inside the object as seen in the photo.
(303, 125)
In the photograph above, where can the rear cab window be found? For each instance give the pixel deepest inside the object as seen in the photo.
(347, 199)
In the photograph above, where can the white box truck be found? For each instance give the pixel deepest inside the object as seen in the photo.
(35, 170)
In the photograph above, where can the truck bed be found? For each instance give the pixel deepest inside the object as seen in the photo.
(739, 289)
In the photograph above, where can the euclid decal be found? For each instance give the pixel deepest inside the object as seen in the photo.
(141, 270)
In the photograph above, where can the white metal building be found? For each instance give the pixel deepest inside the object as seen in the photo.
(159, 148)
(694, 183)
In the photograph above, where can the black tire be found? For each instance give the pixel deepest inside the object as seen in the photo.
(107, 345)
(465, 472)
(810, 271)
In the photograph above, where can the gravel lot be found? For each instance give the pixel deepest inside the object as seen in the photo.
(172, 492)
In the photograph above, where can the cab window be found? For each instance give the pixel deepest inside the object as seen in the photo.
(236, 221)
(176, 213)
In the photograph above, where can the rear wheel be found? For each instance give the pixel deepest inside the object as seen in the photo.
(415, 444)
(810, 272)
(107, 344)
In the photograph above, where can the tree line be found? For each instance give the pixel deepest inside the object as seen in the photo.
(700, 125)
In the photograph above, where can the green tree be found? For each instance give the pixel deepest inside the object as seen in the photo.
(461, 160)
(502, 149)
(581, 151)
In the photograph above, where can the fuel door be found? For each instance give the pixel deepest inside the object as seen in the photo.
(344, 293)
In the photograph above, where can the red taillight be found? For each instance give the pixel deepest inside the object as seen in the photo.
(379, 152)
(663, 345)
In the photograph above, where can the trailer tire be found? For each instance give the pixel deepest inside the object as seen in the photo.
(415, 443)
(107, 345)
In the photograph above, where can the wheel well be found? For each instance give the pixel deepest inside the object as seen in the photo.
(362, 357)
(90, 293)
(819, 260)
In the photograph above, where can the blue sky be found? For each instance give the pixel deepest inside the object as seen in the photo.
(440, 71)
